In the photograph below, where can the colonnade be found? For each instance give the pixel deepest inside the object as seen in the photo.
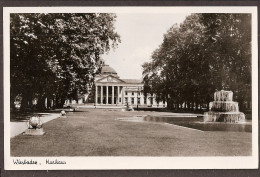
(116, 97)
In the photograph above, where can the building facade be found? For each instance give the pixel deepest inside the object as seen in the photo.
(111, 90)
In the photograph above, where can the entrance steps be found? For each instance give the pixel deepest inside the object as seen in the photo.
(101, 106)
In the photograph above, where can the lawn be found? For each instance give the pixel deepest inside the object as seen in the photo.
(95, 132)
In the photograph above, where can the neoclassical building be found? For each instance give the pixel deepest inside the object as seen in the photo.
(111, 90)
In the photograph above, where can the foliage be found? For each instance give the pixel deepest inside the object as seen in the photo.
(57, 55)
(207, 52)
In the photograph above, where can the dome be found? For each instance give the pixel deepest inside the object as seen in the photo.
(106, 69)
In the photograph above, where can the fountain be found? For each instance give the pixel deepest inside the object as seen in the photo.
(223, 109)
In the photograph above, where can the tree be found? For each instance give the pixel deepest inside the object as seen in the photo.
(207, 52)
(231, 36)
(57, 55)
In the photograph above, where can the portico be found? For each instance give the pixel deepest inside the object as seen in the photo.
(109, 94)
(111, 90)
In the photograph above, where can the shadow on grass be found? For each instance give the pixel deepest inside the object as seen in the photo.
(59, 110)
(160, 109)
(21, 116)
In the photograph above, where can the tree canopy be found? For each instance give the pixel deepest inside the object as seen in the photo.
(57, 55)
(207, 52)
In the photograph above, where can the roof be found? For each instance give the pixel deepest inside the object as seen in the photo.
(106, 69)
(100, 78)
(133, 81)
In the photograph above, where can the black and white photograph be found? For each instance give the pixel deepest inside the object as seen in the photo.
(130, 88)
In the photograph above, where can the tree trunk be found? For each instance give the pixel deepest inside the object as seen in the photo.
(30, 104)
(54, 103)
(12, 105)
(189, 105)
(48, 103)
(241, 105)
(60, 102)
(41, 103)
(25, 101)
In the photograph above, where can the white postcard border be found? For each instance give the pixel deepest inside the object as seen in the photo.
(246, 162)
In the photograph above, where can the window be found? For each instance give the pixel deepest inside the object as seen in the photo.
(125, 93)
(125, 100)
(120, 100)
(139, 93)
(133, 93)
(138, 100)
(133, 100)
(145, 100)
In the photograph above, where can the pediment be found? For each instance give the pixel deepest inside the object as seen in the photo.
(109, 79)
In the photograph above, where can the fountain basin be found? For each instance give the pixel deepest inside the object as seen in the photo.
(234, 117)
(195, 122)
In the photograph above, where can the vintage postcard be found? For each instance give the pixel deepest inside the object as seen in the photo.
(130, 88)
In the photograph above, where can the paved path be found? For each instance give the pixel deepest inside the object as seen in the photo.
(19, 127)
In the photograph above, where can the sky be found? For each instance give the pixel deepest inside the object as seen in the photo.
(140, 35)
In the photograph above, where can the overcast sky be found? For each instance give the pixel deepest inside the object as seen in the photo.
(140, 35)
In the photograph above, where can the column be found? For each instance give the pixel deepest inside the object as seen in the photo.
(96, 95)
(117, 94)
(107, 95)
(123, 95)
(101, 95)
(112, 99)
(148, 100)
(46, 103)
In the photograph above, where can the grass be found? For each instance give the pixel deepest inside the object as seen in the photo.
(95, 132)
